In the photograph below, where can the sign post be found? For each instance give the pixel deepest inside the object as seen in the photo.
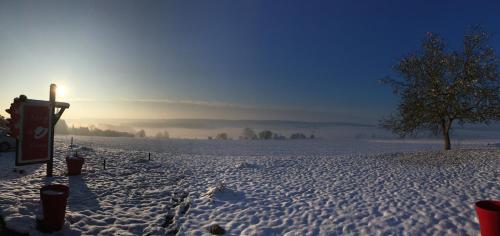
(32, 124)
(52, 101)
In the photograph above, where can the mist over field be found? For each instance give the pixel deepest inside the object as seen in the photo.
(204, 128)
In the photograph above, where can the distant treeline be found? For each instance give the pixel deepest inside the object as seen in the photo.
(62, 128)
(249, 134)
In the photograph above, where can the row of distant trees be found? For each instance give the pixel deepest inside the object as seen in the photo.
(250, 134)
(62, 128)
(3, 122)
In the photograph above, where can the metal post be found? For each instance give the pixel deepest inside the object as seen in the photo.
(52, 100)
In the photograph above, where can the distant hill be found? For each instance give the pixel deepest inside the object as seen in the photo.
(212, 123)
(218, 123)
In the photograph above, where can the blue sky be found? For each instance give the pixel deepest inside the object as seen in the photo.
(296, 60)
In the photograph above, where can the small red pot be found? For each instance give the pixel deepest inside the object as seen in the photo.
(54, 198)
(488, 213)
(74, 165)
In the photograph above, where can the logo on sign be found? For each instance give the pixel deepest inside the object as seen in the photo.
(40, 132)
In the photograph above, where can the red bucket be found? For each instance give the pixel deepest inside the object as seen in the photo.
(74, 165)
(488, 213)
(54, 198)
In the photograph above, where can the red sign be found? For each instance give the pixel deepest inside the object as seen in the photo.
(35, 132)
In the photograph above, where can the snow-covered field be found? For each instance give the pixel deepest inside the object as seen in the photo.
(303, 187)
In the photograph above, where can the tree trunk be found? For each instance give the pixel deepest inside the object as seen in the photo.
(447, 144)
(446, 125)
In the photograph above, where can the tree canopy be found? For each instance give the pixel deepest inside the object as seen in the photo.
(438, 87)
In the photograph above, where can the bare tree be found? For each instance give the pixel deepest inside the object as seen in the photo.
(222, 136)
(162, 135)
(248, 133)
(61, 127)
(266, 134)
(298, 136)
(439, 87)
(141, 134)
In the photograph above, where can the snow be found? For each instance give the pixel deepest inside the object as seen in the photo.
(282, 187)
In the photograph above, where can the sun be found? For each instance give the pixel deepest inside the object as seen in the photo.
(61, 91)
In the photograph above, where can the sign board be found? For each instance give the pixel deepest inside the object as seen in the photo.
(34, 142)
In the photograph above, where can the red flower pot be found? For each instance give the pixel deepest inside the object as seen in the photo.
(74, 165)
(54, 198)
(488, 213)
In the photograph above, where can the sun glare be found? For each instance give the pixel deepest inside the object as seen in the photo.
(61, 91)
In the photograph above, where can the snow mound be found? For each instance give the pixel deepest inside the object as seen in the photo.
(247, 165)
